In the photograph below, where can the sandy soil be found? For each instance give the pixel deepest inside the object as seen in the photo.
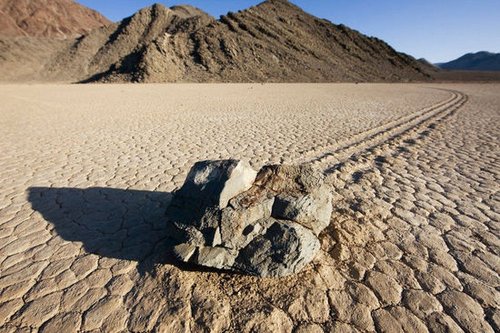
(86, 173)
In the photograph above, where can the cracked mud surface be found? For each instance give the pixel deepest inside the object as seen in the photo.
(87, 171)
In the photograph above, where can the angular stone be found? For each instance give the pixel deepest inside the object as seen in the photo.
(193, 224)
(193, 236)
(217, 257)
(289, 179)
(239, 225)
(217, 238)
(283, 250)
(216, 182)
(313, 210)
(184, 251)
(269, 221)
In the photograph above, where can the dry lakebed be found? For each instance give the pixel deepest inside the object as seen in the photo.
(87, 173)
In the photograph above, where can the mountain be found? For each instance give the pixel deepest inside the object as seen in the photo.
(480, 61)
(47, 18)
(274, 41)
(427, 65)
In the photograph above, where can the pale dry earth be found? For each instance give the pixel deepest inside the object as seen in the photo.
(86, 174)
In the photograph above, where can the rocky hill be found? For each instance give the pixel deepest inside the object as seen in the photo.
(428, 66)
(274, 41)
(480, 61)
(47, 18)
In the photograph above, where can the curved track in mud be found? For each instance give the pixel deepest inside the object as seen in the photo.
(398, 128)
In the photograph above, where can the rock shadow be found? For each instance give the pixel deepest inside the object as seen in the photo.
(114, 223)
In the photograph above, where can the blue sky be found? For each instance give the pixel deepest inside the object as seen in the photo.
(438, 30)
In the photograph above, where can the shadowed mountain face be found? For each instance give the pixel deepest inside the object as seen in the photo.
(427, 66)
(273, 42)
(480, 61)
(47, 18)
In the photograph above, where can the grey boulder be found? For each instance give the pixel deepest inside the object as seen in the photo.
(284, 249)
(228, 216)
(215, 182)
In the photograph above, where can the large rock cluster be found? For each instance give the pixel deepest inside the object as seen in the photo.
(266, 223)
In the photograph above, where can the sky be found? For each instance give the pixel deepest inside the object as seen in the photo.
(437, 30)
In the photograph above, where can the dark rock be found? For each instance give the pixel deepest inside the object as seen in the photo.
(228, 216)
(284, 249)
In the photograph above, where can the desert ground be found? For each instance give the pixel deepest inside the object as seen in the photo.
(87, 171)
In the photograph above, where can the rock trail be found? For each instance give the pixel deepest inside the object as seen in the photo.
(377, 136)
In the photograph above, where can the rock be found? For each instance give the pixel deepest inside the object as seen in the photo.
(217, 181)
(228, 216)
(312, 211)
(196, 207)
(289, 179)
(240, 223)
(184, 251)
(217, 257)
(283, 250)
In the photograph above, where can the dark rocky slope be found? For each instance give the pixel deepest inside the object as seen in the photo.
(275, 41)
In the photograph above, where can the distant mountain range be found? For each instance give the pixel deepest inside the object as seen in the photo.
(274, 41)
(480, 61)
